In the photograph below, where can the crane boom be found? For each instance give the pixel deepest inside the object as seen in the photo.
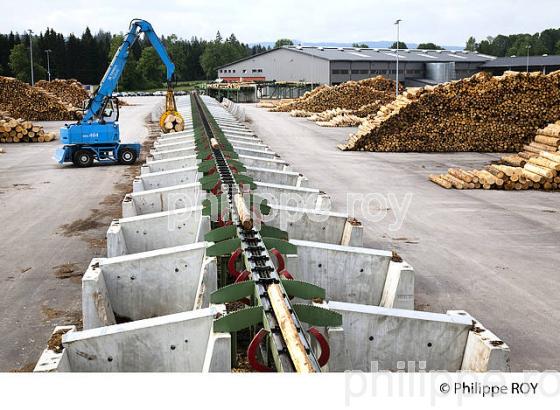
(116, 68)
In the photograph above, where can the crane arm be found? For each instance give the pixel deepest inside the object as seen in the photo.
(116, 68)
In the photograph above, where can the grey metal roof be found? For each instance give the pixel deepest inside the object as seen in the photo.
(379, 54)
(521, 61)
(386, 54)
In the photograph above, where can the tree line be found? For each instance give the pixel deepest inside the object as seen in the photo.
(545, 42)
(87, 57)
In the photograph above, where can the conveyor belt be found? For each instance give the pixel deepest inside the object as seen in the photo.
(257, 258)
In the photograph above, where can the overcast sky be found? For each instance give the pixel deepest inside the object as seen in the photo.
(445, 22)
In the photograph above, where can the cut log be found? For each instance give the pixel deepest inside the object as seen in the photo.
(243, 212)
(289, 331)
(440, 181)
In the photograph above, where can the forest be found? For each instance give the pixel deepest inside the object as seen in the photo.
(86, 57)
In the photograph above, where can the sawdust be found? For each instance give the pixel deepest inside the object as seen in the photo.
(26, 368)
(82, 225)
(68, 270)
(243, 365)
(55, 342)
(51, 313)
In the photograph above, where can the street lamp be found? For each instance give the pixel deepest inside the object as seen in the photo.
(528, 47)
(48, 52)
(397, 23)
(31, 53)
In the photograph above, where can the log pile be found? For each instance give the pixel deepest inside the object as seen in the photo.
(33, 103)
(540, 170)
(481, 113)
(18, 130)
(350, 95)
(547, 139)
(540, 175)
(69, 91)
(173, 123)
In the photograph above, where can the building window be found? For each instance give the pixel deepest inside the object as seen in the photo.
(364, 71)
(244, 71)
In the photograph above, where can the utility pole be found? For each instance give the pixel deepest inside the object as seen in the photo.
(528, 47)
(31, 53)
(48, 52)
(397, 23)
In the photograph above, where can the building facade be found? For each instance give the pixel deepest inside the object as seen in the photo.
(330, 65)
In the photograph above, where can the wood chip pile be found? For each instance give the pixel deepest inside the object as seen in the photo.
(481, 113)
(69, 91)
(540, 170)
(18, 130)
(21, 100)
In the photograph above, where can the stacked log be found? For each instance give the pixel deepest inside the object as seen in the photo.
(173, 123)
(69, 91)
(547, 139)
(33, 103)
(540, 173)
(18, 130)
(350, 95)
(481, 113)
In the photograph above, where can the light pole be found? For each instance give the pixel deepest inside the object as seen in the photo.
(31, 53)
(528, 48)
(48, 52)
(397, 23)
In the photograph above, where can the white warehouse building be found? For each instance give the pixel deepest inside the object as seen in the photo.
(334, 65)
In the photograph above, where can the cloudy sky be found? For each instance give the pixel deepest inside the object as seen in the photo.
(446, 22)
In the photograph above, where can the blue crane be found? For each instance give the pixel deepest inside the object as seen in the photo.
(96, 136)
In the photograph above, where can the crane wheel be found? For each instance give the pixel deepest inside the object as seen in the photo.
(127, 156)
(83, 158)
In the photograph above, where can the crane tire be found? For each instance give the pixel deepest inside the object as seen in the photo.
(83, 158)
(127, 156)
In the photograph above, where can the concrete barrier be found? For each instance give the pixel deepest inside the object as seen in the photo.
(156, 231)
(162, 199)
(148, 284)
(171, 164)
(379, 339)
(260, 162)
(316, 225)
(156, 155)
(164, 179)
(272, 176)
(182, 342)
(298, 197)
(359, 275)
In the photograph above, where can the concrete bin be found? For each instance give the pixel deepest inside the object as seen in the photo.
(351, 274)
(162, 199)
(164, 179)
(156, 231)
(375, 339)
(147, 284)
(183, 342)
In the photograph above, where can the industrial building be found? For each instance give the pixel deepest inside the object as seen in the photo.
(332, 65)
(544, 63)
